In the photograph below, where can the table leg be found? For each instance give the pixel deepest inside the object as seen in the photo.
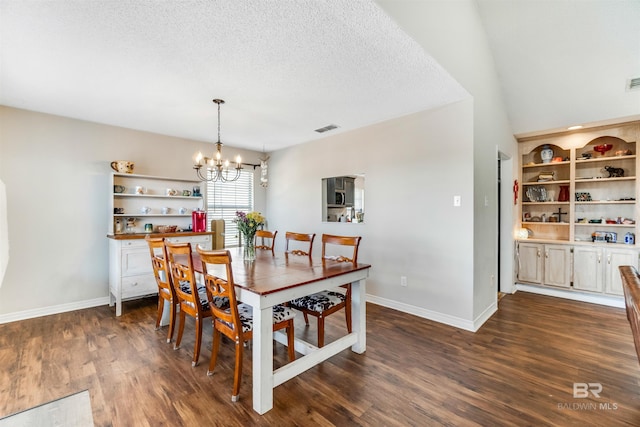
(359, 315)
(262, 359)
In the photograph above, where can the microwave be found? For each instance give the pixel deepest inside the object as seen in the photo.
(340, 198)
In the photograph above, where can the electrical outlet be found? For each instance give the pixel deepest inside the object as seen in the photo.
(403, 280)
(457, 200)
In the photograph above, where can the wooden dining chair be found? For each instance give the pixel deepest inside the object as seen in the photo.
(166, 292)
(192, 297)
(295, 248)
(236, 320)
(270, 236)
(324, 303)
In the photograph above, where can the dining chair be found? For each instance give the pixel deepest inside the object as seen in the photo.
(166, 292)
(324, 303)
(236, 320)
(192, 297)
(270, 236)
(294, 248)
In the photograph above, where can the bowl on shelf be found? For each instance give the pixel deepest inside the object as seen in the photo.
(602, 148)
(167, 228)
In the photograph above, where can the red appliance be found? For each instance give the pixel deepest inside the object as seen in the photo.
(199, 221)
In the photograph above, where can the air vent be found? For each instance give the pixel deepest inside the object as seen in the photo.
(327, 128)
(634, 84)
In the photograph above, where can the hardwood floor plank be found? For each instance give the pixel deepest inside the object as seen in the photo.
(518, 369)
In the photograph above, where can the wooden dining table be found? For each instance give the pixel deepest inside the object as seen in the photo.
(275, 279)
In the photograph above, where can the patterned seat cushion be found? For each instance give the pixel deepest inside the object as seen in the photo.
(220, 302)
(319, 301)
(280, 313)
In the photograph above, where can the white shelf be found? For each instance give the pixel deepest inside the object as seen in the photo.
(156, 196)
(161, 178)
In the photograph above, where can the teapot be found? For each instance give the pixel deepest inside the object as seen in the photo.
(122, 166)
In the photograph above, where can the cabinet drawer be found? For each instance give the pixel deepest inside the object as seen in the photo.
(135, 261)
(134, 286)
(203, 241)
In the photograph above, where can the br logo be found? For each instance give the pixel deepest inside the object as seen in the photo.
(581, 390)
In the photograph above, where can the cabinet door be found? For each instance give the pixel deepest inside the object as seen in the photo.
(587, 268)
(530, 262)
(613, 259)
(557, 265)
(349, 191)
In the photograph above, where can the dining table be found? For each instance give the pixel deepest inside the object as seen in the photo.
(273, 279)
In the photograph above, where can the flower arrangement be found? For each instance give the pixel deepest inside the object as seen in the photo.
(248, 224)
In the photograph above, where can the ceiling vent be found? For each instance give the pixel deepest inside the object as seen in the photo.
(634, 84)
(332, 127)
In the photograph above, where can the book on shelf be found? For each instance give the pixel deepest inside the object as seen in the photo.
(545, 176)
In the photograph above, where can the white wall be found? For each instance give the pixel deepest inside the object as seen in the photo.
(452, 32)
(413, 167)
(56, 172)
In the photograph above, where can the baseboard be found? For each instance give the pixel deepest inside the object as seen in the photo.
(610, 301)
(55, 309)
(457, 322)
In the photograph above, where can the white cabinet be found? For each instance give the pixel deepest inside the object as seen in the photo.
(530, 262)
(596, 268)
(614, 258)
(557, 265)
(587, 268)
(544, 264)
(584, 268)
(130, 271)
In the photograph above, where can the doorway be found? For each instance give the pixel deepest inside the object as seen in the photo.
(505, 267)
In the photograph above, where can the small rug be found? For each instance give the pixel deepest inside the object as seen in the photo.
(70, 411)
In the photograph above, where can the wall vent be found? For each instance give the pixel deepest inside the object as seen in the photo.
(634, 84)
(329, 127)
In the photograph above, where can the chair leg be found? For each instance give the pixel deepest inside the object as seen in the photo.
(180, 331)
(214, 350)
(172, 320)
(291, 341)
(347, 314)
(196, 349)
(160, 309)
(320, 331)
(237, 375)
(306, 318)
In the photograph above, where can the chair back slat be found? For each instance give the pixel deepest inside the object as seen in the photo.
(333, 240)
(160, 264)
(182, 274)
(269, 235)
(304, 249)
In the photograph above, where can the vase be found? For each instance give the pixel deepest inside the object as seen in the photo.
(249, 251)
(546, 154)
(564, 193)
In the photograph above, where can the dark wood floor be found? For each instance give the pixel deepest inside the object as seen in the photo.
(519, 369)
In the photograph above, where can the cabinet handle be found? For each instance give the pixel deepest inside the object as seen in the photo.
(538, 253)
(609, 259)
(134, 284)
(546, 254)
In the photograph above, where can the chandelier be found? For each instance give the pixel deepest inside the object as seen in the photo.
(216, 169)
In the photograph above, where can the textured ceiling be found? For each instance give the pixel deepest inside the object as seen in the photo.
(564, 62)
(284, 68)
(287, 67)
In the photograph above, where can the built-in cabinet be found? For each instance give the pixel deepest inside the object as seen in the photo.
(578, 210)
(583, 268)
(544, 264)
